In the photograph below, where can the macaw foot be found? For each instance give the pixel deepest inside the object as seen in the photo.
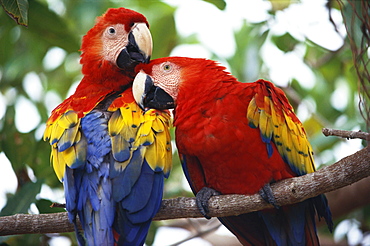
(266, 194)
(202, 199)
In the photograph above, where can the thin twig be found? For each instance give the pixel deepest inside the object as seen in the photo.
(58, 205)
(346, 134)
(198, 234)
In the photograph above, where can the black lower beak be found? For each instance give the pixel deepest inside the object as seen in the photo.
(147, 95)
(159, 99)
(131, 55)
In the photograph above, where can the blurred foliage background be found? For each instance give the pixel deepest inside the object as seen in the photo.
(39, 67)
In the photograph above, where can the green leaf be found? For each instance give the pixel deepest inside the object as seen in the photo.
(44, 207)
(352, 11)
(41, 166)
(162, 27)
(164, 39)
(46, 26)
(17, 10)
(220, 4)
(285, 42)
(3, 240)
(7, 31)
(279, 5)
(246, 63)
(21, 201)
(16, 146)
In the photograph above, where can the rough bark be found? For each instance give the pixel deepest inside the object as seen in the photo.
(345, 172)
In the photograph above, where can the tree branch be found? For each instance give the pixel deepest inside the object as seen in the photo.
(346, 171)
(346, 134)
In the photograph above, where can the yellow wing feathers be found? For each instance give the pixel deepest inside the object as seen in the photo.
(65, 137)
(129, 128)
(160, 153)
(270, 110)
(147, 132)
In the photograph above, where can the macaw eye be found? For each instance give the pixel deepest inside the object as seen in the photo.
(167, 67)
(111, 30)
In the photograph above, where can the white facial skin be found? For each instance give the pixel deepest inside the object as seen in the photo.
(115, 39)
(167, 76)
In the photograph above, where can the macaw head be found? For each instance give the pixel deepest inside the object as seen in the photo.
(163, 82)
(120, 39)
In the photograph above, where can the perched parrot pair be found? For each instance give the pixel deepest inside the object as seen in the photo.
(235, 138)
(111, 147)
(111, 156)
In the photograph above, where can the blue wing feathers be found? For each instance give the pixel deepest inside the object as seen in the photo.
(249, 229)
(106, 198)
(297, 221)
(123, 183)
(132, 234)
(323, 211)
(91, 187)
(70, 192)
(67, 139)
(186, 172)
(136, 211)
(104, 218)
(85, 216)
(287, 225)
(153, 204)
(120, 148)
(292, 225)
(283, 227)
(140, 193)
(275, 227)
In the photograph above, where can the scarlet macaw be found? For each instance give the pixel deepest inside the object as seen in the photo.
(111, 156)
(235, 138)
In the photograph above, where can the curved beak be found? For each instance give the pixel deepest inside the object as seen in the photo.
(139, 47)
(147, 95)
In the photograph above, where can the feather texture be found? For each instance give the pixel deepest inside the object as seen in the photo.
(270, 111)
(237, 137)
(99, 182)
(102, 142)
